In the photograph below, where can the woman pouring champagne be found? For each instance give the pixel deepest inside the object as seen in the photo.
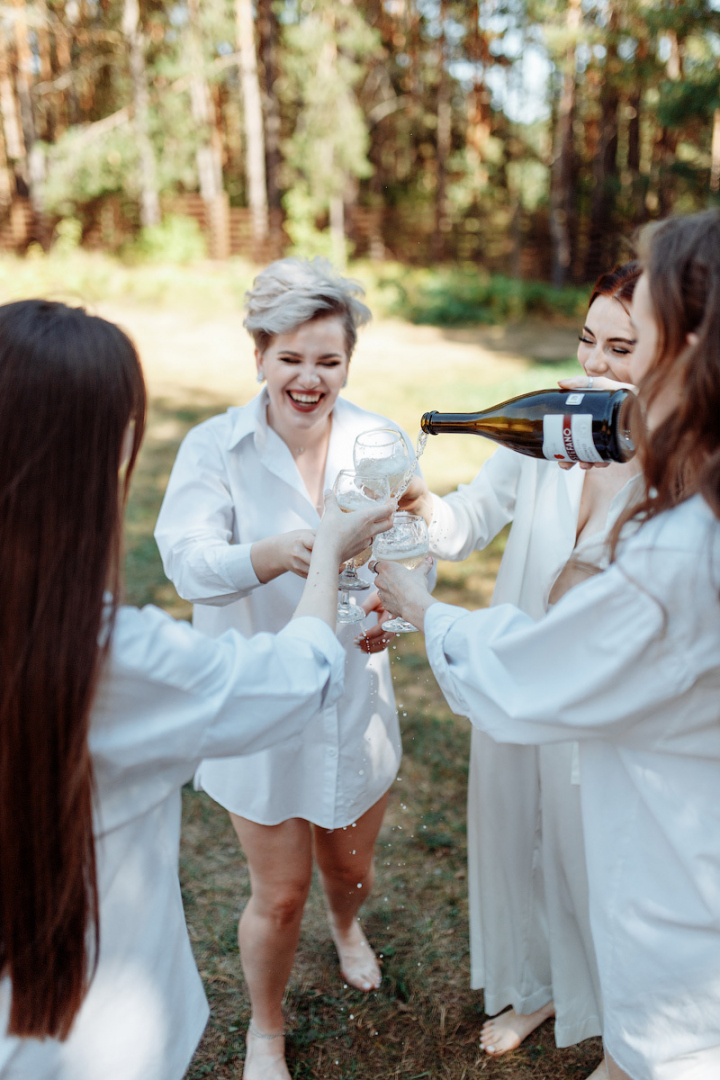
(628, 663)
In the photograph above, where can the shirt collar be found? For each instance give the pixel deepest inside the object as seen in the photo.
(249, 419)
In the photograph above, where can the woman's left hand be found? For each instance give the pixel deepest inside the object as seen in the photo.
(405, 592)
(352, 532)
(375, 639)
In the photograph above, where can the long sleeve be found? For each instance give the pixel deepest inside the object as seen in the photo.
(195, 526)
(467, 519)
(173, 696)
(601, 663)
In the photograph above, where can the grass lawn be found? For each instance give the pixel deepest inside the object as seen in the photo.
(424, 1021)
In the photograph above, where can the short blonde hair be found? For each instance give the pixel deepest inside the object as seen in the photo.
(290, 292)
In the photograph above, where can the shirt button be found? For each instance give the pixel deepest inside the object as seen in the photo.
(332, 752)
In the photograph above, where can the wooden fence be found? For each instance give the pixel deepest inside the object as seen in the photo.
(405, 234)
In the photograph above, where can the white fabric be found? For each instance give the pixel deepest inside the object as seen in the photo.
(627, 663)
(524, 830)
(235, 482)
(169, 698)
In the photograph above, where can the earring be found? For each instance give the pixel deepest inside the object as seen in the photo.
(345, 383)
(260, 377)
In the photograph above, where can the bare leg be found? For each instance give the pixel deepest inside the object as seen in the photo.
(345, 860)
(614, 1071)
(280, 863)
(507, 1030)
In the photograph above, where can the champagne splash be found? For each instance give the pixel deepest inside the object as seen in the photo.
(421, 444)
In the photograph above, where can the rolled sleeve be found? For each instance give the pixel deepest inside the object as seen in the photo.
(233, 563)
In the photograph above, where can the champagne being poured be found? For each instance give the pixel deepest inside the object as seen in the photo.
(558, 425)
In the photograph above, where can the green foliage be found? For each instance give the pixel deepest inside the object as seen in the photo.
(327, 47)
(176, 240)
(464, 297)
(81, 168)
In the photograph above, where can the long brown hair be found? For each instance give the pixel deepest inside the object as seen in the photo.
(681, 257)
(70, 384)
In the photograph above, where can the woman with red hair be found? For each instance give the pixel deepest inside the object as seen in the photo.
(530, 942)
(628, 663)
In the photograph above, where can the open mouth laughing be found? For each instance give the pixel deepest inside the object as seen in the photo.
(305, 400)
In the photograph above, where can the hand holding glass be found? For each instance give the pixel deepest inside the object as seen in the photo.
(408, 543)
(355, 491)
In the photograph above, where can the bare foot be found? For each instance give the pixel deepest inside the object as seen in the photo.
(265, 1059)
(358, 965)
(506, 1031)
(600, 1073)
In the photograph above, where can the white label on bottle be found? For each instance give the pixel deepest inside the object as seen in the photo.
(574, 399)
(569, 437)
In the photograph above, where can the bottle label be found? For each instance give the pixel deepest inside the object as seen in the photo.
(568, 437)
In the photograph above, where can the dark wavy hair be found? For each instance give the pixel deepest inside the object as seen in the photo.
(618, 283)
(70, 386)
(681, 457)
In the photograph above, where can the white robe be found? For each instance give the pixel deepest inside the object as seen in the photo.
(530, 938)
(628, 664)
(235, 482)
(168, 698)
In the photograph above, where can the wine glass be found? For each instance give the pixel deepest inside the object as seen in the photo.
(354, 491)
(384, 452)
(407, 542)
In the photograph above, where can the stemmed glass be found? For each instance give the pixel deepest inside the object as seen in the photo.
(384, 452)
(355, 491)
(407, 542)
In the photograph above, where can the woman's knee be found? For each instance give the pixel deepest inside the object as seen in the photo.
(283, 903)
(348, 874)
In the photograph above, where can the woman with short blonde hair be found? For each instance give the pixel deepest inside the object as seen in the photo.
(235, 531)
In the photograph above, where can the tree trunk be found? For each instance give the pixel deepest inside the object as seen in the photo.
(149, 202)
(67, 106)
(23, 77)
(209, 153)
(715, 154)
(666, 143)
(562, 176)
(254, 136)
(444, 135)
(337, 230)
(600, 251)
(14, 141)
(479, 113)
(268, 33)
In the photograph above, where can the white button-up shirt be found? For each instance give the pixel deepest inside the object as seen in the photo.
(234, 482)
(169, 698)
(628, 663)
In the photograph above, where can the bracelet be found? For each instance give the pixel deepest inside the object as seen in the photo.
(260, 1035)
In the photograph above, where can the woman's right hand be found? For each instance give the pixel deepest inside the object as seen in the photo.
(285, 553)
(416, 499)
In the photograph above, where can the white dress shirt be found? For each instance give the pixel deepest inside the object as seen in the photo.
(627, 663)
(234, 482)
(169, 698)
(530, 939)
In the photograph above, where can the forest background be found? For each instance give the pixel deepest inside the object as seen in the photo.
(522, 137)
(475, 164)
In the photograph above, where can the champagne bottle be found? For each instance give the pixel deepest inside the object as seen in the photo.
(559, 425)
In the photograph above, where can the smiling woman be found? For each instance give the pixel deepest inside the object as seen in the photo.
(236, 531)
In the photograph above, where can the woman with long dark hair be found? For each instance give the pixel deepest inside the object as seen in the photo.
(105, 711)
(531, 948)
(628, 663)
